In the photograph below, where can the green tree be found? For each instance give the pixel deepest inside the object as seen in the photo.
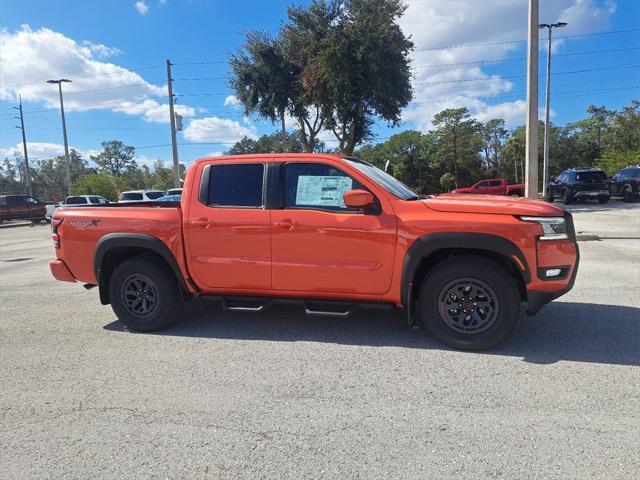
(459, 143)
(101, 183)
(611, 162)
(116, 158)
(494, 134)
(263, 79)
(364, 69)
(272, 144)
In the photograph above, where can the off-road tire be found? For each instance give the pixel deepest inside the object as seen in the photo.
(162, 287)
(567, 198)
(431, 310)
(603, 200)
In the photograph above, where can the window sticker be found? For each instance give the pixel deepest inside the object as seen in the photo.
(322, 191)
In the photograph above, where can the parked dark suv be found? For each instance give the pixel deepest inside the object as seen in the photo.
(579, 184)
(625, 183)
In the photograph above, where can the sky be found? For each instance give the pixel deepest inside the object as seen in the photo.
(467, 53)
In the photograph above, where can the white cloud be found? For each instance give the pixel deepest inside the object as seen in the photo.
(216, 129)
(231, 101)
(142, 7)
(459, 23)
(30, 57)
(41, 150)
(99, 50)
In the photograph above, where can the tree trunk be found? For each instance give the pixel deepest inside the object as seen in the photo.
(284, 132)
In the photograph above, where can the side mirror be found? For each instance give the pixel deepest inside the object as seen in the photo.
(357, 198)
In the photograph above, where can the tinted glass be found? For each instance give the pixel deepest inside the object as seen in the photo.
(495, 183)
(630, 172)
(316, 185)
(131, 196)
(154, 195)
(75, 201)
(3, 200)
(590, 177)
(237, 185)
(16, 200)
(386, 181)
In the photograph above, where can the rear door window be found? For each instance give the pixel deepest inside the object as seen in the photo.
(75, 201)
(131, 196)
(236, 185)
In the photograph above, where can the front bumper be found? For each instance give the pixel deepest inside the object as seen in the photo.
(60, 271)
(537, 299)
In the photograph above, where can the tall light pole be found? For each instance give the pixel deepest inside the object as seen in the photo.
(67, 163)
(531, 168)
(545, 168)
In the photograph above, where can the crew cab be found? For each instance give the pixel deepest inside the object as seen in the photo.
(496, 186)
(328, 232)
(21, 207)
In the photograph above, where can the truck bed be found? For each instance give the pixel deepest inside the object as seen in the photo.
(83, 227)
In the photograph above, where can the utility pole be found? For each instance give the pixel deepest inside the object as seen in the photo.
(545, 168)
(174, 143)
(67, 162)
(24, 147)
(531, 168)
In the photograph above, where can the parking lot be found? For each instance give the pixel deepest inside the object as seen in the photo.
(281, 395)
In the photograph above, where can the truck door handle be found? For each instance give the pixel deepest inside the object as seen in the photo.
(201, 222)
(284, 224)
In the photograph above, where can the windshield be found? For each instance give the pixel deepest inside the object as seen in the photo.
(386, 181)
(154, 195)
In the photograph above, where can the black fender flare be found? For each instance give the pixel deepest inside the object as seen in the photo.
(113, 241)
(432, 242)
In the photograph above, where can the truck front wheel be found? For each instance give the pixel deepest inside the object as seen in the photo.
(144, 294)
(469, 303)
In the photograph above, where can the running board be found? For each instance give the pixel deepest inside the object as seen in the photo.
(323, 308)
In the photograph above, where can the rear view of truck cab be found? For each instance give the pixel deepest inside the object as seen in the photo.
(331, 233)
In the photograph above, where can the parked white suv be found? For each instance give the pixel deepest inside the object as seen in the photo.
(140, 196)
(76, 201)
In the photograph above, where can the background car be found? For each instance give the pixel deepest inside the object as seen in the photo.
(174, 191)
(625, 183)
(579, 184)
(169, 198)
(21, 207)
(76, 200)
(140, 196)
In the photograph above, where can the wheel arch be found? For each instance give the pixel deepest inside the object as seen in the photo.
(430, 249)
(114, 248)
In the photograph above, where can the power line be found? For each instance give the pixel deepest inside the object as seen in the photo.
(519, 59)
(507, 42)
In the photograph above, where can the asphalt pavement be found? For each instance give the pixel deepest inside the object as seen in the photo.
(279, 395)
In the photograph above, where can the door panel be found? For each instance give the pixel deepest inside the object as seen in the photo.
(332, 252)
(318, 245)
(230, 246)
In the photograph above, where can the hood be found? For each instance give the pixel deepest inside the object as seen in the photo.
(493, 204)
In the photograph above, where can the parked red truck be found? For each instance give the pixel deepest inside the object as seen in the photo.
(329, 232)
(495, 186)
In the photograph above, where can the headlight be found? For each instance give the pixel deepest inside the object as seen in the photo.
(554, 228)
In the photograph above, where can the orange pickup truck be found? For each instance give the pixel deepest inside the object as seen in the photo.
(329, 232)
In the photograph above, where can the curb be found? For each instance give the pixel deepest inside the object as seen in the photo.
(14, 225)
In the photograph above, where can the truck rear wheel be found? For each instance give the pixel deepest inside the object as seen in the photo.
(469, 302)
(144, 294)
